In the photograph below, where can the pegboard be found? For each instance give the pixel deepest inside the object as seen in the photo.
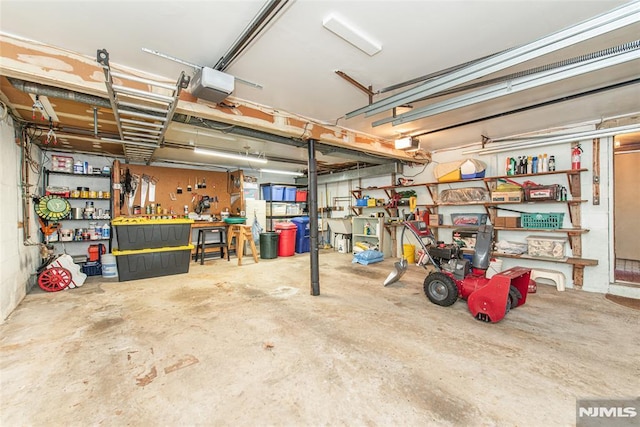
(167, 182)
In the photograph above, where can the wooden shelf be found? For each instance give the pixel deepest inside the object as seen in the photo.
(534, 230)
(573, 206)
(84, 175)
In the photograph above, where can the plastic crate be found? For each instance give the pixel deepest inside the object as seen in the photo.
(289, 194)
(546, 247)
(266, 193)
(301, 195)
(92, 268)
(551, 221)
(277, 193)
(146, 263)
(462, 219)
(141, 233)
(61, 164)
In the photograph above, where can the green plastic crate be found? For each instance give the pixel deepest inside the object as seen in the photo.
(552, 220)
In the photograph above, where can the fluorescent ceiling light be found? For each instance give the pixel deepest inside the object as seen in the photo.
(228, 155)
(352, 35)
(281, 172)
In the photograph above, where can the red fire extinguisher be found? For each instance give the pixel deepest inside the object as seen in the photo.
(575, 156)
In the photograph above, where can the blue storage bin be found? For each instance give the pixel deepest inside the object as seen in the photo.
(302, 234)
(266, 193)
(289, 194)
(277, 193)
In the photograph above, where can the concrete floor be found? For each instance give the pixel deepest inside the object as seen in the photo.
(247, 346)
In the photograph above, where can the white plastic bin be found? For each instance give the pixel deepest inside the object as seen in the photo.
(109, 266)
(495, 267)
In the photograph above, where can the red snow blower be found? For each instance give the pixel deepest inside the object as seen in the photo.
(489, 299)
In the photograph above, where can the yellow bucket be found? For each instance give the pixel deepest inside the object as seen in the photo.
(409, 252)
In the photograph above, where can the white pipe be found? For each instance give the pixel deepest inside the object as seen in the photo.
(558, 139)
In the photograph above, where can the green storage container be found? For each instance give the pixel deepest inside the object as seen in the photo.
(268, 245)
(142, 233)
(551, 220)
(145, 263)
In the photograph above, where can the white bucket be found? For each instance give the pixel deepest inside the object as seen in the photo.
(495, 267)
(109, 267)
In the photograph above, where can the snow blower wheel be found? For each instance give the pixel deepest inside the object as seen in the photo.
(440, 289)
(54, 279)
(514, 296)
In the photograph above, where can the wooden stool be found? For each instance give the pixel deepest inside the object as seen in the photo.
(242, 233)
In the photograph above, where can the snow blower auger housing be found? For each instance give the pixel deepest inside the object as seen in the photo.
(488, 299)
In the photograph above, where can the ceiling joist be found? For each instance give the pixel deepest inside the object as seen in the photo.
(24, 60)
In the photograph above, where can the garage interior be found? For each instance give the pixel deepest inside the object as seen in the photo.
(370, 115)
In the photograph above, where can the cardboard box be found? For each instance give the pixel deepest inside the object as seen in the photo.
(506, 196)
(465, 238)
(435, 219)
(507, 221)
(541, 192)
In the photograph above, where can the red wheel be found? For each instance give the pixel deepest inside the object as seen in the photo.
(54, 279)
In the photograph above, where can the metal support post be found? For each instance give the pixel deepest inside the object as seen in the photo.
(313, 217)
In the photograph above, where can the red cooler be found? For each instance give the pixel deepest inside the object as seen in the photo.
(287, 240)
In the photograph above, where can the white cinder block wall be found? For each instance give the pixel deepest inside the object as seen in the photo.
(18, 261)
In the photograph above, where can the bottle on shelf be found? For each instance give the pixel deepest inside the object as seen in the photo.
(519, 166)
(545, 163)
(534, 165)
(529, 165)
(105, 230)
(367, 229)
(552, 163)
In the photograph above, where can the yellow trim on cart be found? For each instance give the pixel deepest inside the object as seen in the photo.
(125, 220)
(116, 252)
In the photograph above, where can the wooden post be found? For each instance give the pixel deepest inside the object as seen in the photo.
(596, 171)
(578, 276)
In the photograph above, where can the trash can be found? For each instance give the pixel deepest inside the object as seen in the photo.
(269, 245)
(287, 239)
(302, 236)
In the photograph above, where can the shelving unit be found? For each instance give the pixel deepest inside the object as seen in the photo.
(572, 206)
(278, 210)
(102, 183)
(374, 236)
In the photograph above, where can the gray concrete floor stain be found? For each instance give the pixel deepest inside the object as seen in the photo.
(229, 345)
